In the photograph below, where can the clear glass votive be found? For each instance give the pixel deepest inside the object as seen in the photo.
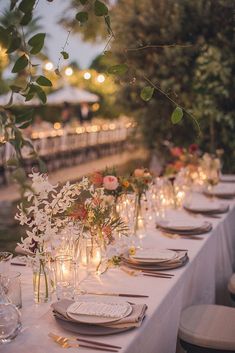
(65, 276)
(12, 287)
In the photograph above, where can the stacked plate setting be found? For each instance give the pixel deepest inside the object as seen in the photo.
(155, 259)
(213, 209)
(98, 316)
(222, 190)
(182, 227)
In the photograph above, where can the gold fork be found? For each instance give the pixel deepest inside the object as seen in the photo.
(64, 343)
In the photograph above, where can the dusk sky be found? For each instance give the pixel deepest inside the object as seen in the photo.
(79, 51)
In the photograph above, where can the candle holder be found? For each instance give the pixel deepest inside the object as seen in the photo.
(65, 276)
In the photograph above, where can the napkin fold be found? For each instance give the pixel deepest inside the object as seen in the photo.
(133, 320)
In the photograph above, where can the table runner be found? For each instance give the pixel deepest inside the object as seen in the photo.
(202, 280)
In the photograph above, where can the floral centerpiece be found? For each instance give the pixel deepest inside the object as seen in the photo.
(44, 216)
(95, 215)
(183, 157)
(113, 184)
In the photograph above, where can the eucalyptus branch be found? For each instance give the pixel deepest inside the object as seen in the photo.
(107, 43)
(158, 88)
(63, 48)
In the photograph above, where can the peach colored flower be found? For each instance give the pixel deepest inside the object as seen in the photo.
(176, 151)
(110, 182)
(138, 173)
(178, 165)
(126, 183)
(97, 178)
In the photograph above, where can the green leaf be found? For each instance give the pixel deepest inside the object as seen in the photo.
(177, 115)
(26, 18)
(27, 5)
(147, 93)
(119, 69)
(20, 64)
(82, 16)
(37, 42)
(25, 124)
(100, 8)
(42, 166)
(83, 2)
(15, 88)
(57, 72)
(15, 43)
(24, 116)
(13, 4)
(108, 24)
(64, 54)
(41, 94)
(43, 81)
(4, 37)
(31, 92)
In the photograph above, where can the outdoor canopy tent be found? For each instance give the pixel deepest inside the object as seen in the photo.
(71, 95)
(65, 94)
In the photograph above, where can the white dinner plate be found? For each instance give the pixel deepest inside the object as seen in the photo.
(212, 206)
(96, 320)
(182, 224)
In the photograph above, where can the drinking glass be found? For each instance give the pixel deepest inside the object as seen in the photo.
(5, 258)
(65, 276)
(10, 323)
(12, 287)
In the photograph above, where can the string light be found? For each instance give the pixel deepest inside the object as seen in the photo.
(68, 71)
(49, 66)
(100, 78)
(57, 126)
(87, 75)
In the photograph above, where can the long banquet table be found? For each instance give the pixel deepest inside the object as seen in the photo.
(202, 280)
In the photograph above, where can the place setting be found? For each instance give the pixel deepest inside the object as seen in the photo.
(221, 191)
(91, 315)
(227, 178)
(151, 261)
(185, 227)
(207, 208)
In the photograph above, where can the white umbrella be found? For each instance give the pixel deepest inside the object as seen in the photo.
(17, 100)
(71, 95)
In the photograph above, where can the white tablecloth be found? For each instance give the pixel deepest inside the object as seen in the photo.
(202, 280)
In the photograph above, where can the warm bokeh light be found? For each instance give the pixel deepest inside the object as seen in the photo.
(95, 107)
(49, 66)
(87, 75)
(57, 126)
(100, 78)
(68, 71)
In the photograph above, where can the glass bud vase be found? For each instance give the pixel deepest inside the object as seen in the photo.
(93, 256)
(139, 223)
(41, 282)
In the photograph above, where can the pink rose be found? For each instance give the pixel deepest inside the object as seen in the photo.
(110, 182)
